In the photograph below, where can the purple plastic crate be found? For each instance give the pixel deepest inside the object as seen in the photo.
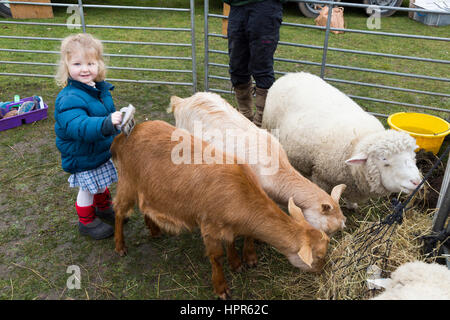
(27, 117)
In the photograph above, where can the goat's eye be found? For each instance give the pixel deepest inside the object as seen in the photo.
(387, 165)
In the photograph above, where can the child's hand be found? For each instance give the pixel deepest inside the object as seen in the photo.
(116, 118)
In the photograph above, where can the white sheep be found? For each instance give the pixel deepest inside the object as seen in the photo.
(417, 281)
(332, 140)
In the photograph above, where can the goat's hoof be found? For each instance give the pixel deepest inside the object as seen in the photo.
(226, 295)
(122, 252)
(235, 265)
(251, 261)
(237, 268)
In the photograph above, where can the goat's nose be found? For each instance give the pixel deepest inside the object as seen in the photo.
(415, 182)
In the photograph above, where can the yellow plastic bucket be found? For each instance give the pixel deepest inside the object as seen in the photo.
(429, 131)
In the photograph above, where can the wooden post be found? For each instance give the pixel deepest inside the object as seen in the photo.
(411, 5)
(226, 12)
(28, 11)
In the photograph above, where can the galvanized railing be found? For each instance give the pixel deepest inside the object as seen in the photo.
(189, 45)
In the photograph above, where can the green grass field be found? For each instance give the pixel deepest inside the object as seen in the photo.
(38, 224)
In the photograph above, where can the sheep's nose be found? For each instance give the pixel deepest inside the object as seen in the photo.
(415, 182)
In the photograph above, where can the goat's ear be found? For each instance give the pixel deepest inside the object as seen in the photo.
(295, 211)
(357, 160)
(174, 101)
(337, 192)
(326, 208)
(305, 254)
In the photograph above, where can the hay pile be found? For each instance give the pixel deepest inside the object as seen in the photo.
(350, 282)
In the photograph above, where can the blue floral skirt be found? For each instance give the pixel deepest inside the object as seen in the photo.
(95, 179)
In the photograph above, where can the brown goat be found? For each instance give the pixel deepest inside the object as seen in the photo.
(223, 200)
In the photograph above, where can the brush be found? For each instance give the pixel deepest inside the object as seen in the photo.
(127, 124)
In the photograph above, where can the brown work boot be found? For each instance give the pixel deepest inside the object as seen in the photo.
(244, 99)
(260, 102)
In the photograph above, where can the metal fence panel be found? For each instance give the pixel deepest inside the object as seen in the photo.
(186, 64)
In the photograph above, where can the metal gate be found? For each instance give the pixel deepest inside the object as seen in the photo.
(182, 64)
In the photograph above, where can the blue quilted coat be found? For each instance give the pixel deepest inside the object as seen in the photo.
(80, 111)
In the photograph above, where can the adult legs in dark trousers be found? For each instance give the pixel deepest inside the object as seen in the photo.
(253, 35)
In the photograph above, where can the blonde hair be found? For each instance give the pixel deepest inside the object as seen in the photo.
(89, 46)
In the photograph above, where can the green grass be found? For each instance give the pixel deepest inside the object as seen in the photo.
(38, 233)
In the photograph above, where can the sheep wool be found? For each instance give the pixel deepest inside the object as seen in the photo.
(418, 281)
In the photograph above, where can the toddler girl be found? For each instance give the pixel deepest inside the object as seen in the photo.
(85, 120)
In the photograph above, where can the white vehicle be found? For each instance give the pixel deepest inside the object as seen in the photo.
(309, 9)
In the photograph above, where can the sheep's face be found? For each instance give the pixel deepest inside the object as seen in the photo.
(388, 162)
(398, 172)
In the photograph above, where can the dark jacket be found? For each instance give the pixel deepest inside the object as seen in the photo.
(243, 2)
(83, 127)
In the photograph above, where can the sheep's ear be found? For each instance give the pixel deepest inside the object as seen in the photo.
(174, 101)
(357, 160)
(305, 254)
(337, 192)
(295, 211)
